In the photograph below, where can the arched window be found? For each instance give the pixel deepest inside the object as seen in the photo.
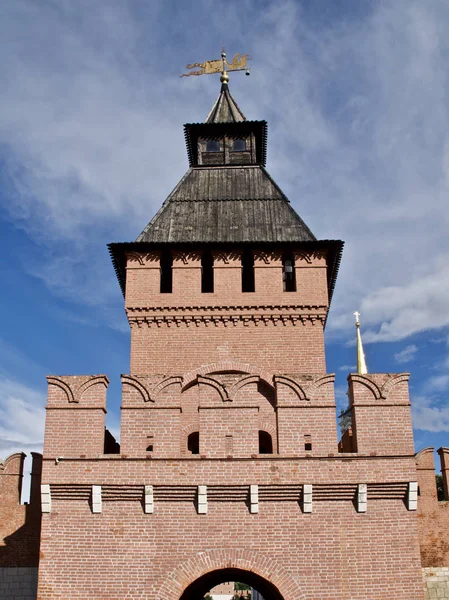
(288, 272)
(239, 145)
(248, 284)
(265, 443)
(207, 272)
(166, 272)
(212, 146)
(193, 443)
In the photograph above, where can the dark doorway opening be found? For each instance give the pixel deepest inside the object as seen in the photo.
(200, 587)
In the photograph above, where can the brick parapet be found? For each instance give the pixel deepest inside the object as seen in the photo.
(381, 416)
(75, 420)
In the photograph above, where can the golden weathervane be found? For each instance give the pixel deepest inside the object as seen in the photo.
(220, 66)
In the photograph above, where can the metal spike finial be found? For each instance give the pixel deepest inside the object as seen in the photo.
(362, 369)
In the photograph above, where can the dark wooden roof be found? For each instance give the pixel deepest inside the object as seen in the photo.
(225, 109)
(226, 204)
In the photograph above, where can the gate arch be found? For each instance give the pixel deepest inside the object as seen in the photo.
(210, 566)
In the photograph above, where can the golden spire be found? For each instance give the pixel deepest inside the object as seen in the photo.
(220, 66)
(361, 362)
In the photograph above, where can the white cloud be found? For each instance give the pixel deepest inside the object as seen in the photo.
(438, 383)
(427, 415)
(406, 355)
(90, 126)
(22, 418)
(348, 368)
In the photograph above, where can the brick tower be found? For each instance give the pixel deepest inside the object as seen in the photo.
(229, 467)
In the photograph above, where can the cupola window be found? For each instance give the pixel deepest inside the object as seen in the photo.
(212, 146)
(239, 145)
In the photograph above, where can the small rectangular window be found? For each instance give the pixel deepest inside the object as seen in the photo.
(307, 443)
(239, 145)
(166, 266)
(150, 442)
(288, 272)
(212, 146)
(207, 273)
(248, 281)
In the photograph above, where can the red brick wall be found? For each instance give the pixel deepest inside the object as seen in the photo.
(333, 553)
(229, 365)
(188, 328)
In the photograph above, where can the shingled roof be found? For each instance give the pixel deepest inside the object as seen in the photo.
(225, 109)
(226, 205)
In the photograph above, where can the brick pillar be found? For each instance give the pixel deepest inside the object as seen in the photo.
(381, 413)
(444, 458)
(425, 469)
(75, 422)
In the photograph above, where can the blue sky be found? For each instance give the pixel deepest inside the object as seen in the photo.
(91, 111)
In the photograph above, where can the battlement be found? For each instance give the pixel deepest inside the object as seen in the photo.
(229, 409)
(75, 421)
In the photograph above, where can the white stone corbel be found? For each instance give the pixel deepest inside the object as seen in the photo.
(253, 499)
(362, 496)
(45, 498)
(307, 498)
(412, 495)
(149, 500)
(202, 500)
(96, 499)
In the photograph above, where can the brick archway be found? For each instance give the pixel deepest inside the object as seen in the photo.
(230, 559)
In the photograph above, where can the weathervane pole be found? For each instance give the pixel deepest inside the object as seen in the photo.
(362, 369)
(224, 75)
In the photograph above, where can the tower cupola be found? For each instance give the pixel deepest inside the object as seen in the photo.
(226, 137)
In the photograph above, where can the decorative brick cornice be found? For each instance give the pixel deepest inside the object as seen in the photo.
(224, 308)
(225, 320)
